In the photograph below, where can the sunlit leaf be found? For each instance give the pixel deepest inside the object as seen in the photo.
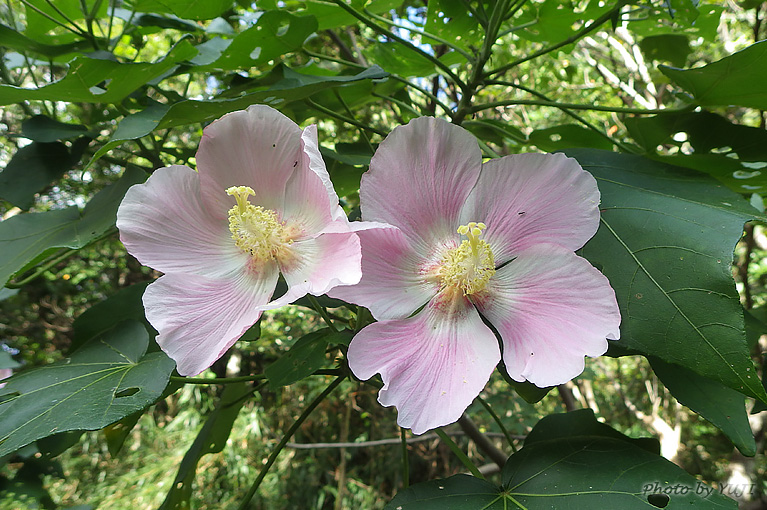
(734, 80)
(94, 80)
(107, 379)
(284, 86)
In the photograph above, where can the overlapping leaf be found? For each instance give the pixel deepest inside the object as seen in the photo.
(94, 80)
(666, 243)
(25, 236)
(107, 379)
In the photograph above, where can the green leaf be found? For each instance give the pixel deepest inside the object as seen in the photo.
(211, 439)
(125, 304)
(31, 170)
(93, 80)
(566, 136)
(107, 379)
(403, 61)
(303, 358)
(187, 9)
(24, 236)
(284, 86)
(673, 48)
(555, 21)
(274, 34)
(451, 21)
(734, 80)
(666, 244)
(722, 406)
(9, 38)
(733, 154)
(45, 129)
(572, 461)
(42, 27)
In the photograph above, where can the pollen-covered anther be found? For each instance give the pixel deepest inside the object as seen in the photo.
(469, 266)
(256, 230)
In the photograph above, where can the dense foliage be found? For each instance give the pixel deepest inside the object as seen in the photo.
(662, 101)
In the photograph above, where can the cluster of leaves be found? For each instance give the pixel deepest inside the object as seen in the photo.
(100, 93)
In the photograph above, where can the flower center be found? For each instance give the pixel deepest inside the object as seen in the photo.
(256, 230)
(469, 266)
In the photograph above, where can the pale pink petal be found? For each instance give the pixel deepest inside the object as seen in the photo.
(419, 179)
(526, 199)
(258, 147)
(200, 318)
(316, 164)
(433, 365)
(551, 308)
(165, 225)
(393, 284)
(319, 264)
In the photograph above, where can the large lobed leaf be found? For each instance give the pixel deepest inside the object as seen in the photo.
(666, 244)
(109, 378)
(572, 461)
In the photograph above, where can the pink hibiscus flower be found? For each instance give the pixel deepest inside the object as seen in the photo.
(468, 241)
(260, 203)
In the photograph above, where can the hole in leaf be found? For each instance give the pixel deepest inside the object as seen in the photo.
(283, 28)
(658, 500)
(255, 53)
(127, 392)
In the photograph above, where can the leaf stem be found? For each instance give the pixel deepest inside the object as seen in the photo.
(337, 116)
(323, 313)
(498, 422)
(405, 461)
(284, 441)
(459, 453)
(433, 37)
(576, 106)
(387, 33)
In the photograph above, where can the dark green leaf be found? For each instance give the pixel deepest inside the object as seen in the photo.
(459, 492)
(735, 155)
(211, 439)
(548, 472)
(303, 358)
(734, 80)
(722, 406)
(666, 243)
(124, 305)
(187, 9)
(673, 48)
(45, 129)
(31, 169)
(24, 236)
(94, 80)
(567, 136)
(116, 433)
(81, 392)
(572, 461)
